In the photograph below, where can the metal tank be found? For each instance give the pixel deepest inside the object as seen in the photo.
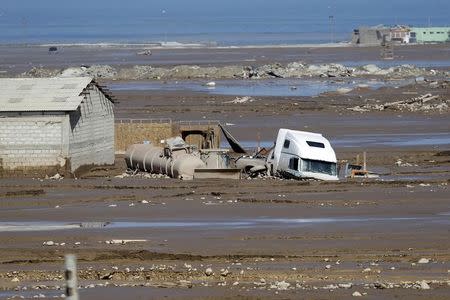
(176, 162)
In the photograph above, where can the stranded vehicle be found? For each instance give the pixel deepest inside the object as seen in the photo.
(296, 154)
(301, 154)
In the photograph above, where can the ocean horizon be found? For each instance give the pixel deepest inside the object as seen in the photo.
(286, 23)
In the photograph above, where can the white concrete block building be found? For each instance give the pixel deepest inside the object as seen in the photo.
(55, 123)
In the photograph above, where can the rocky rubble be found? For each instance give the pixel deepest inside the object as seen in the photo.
(275, 70)
(424, 103)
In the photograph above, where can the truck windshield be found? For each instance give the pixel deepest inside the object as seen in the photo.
(317, 166)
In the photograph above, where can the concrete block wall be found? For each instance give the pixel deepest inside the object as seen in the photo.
(91, 131)
(31, 141)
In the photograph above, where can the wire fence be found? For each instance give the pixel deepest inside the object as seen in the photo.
(144, 121)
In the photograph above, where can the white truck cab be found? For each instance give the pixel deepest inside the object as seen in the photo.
(301, 154)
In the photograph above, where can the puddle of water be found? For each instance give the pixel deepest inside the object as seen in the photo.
(207, 225)
(395, 63)
(367, 140)
(48, 226)
(279, 87)
(404, 139)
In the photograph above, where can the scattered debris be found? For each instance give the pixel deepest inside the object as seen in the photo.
(57, 176)
(424, 285)
(423, 260)
(280, 285)
(241, 100)
(274, 70)
(209, 272)
(425, 103)
(146, 52)
(123, 242)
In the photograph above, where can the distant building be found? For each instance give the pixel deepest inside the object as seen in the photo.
(370, 36)
(423, 35)
(400, 34)
(54, 123)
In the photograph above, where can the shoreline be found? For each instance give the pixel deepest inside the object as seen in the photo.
(177, 45)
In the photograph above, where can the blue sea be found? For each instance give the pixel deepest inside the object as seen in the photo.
(218, 22)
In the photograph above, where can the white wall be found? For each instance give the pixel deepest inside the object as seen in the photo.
(91, 131)
(31, 141)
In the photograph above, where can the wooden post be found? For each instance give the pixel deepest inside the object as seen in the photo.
(258, 137)
(71, 277)
(364, 162)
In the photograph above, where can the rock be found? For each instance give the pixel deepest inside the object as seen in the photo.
(366, 270)
(343, 90)
(356, 294)
(345, 285)
(371, 69)
(423, 261)
(185, 283)
(56, 177)
(210, 84)
(15, 279)
(208, 272)
(49, 243)
(328, 267)
(224, 272)
(108, 276)
(187, 266)
(146, 52)
(281, 285)
(96, 71)
(424, 285)
(419, 79)
(241, 100)
(330, 287)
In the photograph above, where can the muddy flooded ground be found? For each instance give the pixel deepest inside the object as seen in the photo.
(144, 238)
(261, 238)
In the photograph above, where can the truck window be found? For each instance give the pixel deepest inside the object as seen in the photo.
(317, 166)
(286, 143)
(293, 163)
(315, 144)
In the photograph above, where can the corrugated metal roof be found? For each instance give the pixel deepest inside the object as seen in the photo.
(42, 94)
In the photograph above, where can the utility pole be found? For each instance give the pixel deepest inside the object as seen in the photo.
(331, 19)
(166, 25)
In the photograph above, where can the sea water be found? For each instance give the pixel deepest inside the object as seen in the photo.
(219, 22)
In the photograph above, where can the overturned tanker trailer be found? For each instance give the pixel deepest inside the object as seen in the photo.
(179, 160)
(176, 160)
